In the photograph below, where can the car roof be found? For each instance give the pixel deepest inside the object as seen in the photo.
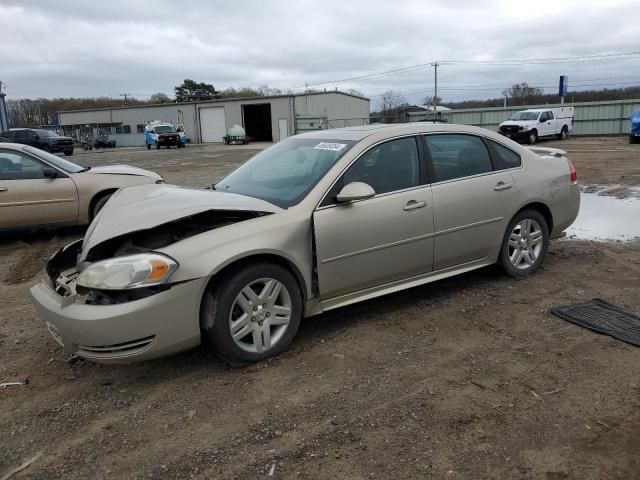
(12, 146)
(363, 131)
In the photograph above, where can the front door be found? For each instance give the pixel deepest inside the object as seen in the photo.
(28, 198)
(472, 200)
(381, 239)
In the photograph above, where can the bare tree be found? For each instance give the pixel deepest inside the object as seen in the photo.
(429, 100)
(390, 106)
(521, 93)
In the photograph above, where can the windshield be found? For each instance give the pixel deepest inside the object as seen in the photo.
(525, 116)
(164, 129)
(285, 173)
(46, 133)
(54, 160)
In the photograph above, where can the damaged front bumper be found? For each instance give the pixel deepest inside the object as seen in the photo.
(151, 326)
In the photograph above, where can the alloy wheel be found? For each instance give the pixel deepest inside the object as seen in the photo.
(525, 243)
(260, 315)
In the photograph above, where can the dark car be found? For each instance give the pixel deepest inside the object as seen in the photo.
(4, 139)
(46, 140)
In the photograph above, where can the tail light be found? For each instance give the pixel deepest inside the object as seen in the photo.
(573, 175)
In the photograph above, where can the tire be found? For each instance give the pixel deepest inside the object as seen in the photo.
(564, 133)
(516, 252)
(99, 203)
(633, 139)
(68, 153)
(220, 312)
(533, 137)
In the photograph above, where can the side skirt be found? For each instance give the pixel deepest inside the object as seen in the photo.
(316, 307)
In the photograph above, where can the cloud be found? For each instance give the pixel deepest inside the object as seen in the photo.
(80, 48)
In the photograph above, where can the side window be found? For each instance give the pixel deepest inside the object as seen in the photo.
(549, 115)
(388, 167)
(17, 166)
(20, 134)
(505, 158)
(457, 156)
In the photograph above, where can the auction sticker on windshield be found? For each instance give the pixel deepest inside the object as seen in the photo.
(334, 147)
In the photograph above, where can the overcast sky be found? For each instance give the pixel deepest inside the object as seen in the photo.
(78, 48)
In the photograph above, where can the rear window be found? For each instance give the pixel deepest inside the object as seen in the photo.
(505, 157)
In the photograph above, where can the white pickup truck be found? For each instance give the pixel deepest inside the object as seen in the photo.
(534, 123)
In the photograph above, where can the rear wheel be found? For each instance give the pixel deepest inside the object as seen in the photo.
(564, 133)
(533, 137)
(525, 243)
(252, 314)
(68, 153)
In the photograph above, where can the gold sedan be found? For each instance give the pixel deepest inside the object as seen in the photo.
(41, 189)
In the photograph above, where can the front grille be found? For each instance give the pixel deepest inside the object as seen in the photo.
(64, 142)
(116, 350)
(510, 128)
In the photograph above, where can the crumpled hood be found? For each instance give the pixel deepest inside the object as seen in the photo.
(147, 206)
(123, 170)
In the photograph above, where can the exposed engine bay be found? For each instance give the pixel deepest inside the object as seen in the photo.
(63, 267)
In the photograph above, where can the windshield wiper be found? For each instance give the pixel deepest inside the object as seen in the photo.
(85, 169)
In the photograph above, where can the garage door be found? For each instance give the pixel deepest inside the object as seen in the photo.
(212, 124)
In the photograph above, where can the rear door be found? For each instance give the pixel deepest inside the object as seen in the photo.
(28, 198)
(381, 239)
(471, 199)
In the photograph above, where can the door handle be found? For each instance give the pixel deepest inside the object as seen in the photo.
(3, 189)
(502, 186)
(413, 205)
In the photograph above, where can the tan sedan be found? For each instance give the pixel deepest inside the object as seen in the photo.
(41, 189)
(316, 222)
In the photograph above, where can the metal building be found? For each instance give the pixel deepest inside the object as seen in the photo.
(264, 118)
(590, 118)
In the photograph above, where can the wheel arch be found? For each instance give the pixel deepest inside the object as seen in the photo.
(239, 263)
(542, 209)
(97, 196)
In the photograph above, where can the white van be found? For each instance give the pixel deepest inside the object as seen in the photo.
(534, 123)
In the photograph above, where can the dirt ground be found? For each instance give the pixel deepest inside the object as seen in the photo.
(467, 378)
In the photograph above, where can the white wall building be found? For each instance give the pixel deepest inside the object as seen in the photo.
(264, 118)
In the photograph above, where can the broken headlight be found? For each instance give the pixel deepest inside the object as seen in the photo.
(130, 271)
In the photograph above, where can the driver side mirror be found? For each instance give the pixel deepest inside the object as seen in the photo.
(355, 191)
(49, 172)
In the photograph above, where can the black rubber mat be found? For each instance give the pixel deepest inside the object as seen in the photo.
(603, 317)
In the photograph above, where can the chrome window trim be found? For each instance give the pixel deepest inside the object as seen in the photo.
(479, 174)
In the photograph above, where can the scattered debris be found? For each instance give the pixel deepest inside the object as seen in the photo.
(551, 392)
(479, 385)
(21, 467)
(272, 469)
(18, 382)
(71, 358)
(535, 394)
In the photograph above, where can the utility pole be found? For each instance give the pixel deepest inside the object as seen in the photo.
(125, 97)
(435, 93)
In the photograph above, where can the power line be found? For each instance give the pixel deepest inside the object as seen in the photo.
(529, 61)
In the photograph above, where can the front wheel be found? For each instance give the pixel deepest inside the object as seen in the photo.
(68, 153)
(525, 244)
(533, 137)
(252, 314)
